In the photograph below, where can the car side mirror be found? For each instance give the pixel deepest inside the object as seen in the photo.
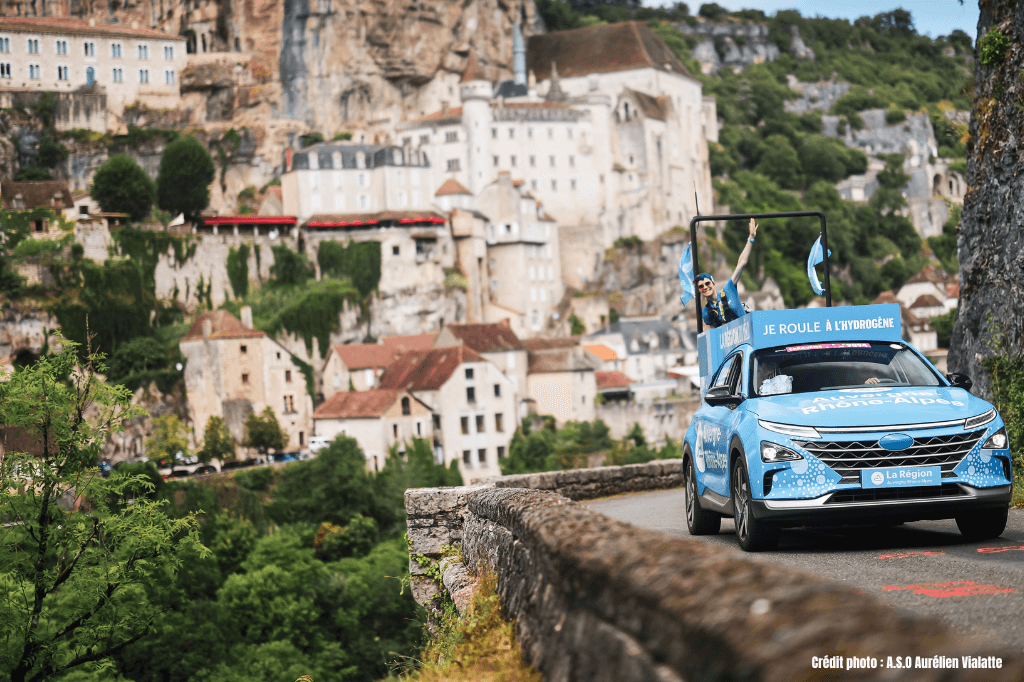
(719, 395)
(960, 381)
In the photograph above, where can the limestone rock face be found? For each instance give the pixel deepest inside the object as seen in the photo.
(991, 239)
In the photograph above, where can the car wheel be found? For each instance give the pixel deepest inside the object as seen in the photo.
(982, 524)
(753, 534)
(698, 521)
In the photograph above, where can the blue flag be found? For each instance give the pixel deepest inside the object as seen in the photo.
(686, 276)
(814, 258)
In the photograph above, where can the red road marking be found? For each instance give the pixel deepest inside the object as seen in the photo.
(906, 554)
(993, 550)
(955, 588)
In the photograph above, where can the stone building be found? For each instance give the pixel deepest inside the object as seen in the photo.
(497, 343)
(473, 402)
(648, 346)
(73, 57)
(611, 130)
(377, 419)
(561, 379)
(234, 370)
(358, 363)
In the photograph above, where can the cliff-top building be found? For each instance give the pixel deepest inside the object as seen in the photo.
(106, 66)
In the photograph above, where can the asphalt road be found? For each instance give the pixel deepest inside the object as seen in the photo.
(924, 567)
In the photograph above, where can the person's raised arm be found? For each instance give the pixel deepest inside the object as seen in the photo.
(745, 254)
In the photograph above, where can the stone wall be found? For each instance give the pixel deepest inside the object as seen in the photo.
(991, 236)
(597, 599)
(658, 419)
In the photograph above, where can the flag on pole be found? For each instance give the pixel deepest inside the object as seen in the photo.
(686, 276)
(814, 258)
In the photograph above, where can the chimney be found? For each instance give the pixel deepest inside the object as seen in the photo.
(207, 328)
(288, 158)
(246, 316)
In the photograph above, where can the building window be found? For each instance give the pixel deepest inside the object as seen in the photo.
(501, 451)
(551, 133)
(480, 428)
(62, 47)
(572, 160)
(169, 77)
(406, 407)
(513, 159)
(419, 428)
(368, 377)
(169, 52)
(288, 376)
(33, 46)
(465, 425)
(551, 160)
(494, 133)
(572, 184)
(62, 73)
(533, 161)
(143, 52)
(469, 372)
(244, 349)
(495, 160)
(115, 50)
(143, 75)
(499, 426)
(245, 378)
(470, 394)
(454, 165)
(289, 404)
(394, 250)
(90, 49)
(570, 133)
(33, 71)
(364, 201)
(497, 390)
(481, 456)
(465, 457)
(437, 421)
(511, 133)
(533, 185)
(451, 136)
(554, 185)
(5, 44)
(118, 75)
(529, 133)
(394, 430)
(424, 139)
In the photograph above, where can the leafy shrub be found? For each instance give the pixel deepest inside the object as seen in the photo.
(943, 325)
(238, 270)
(858, 99)
(312, 138)
(894, 115)
(992, 48)
(342, 136)
(247, 192)
(359, 261)
(32, 174)
(257, 478)
(290, 268)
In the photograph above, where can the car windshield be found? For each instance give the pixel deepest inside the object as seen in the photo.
(830, 366)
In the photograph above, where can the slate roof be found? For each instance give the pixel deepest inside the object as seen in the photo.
(369, 404)
(611, 379)
(560, 360)
(639, 328)
(55, 25)
(427, 370)
(600, 49)
(225, 326)
(37, 194)
(380, 155)
(363, 355)
(487, 338)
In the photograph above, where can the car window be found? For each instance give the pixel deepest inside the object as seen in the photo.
(727, 374)
(828, 366)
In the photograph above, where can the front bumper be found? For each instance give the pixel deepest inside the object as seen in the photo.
(841, 506)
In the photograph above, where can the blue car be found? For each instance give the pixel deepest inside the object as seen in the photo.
(826, 416)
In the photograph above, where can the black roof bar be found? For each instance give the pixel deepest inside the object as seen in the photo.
(757, 216)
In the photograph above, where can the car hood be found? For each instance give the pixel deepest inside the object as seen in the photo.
(867, 407)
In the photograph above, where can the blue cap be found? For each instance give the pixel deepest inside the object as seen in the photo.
(704, 275)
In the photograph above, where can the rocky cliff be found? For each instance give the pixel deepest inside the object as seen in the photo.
(282, 68)
(991, 238)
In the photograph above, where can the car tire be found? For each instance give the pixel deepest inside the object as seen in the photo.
(982, 524)
(698, 521)
(753, 534)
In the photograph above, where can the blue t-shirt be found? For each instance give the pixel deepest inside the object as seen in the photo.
(727, 308)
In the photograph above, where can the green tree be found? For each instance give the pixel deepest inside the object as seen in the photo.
(238, 270)
(74, 577)
(263, 432)
(183, 183)
(169, 438)
(576, 325)
(780, 162)
(290, 268)
(217, 442)
(121, 186)
(943, 325)
(32, 174)
(141, 354)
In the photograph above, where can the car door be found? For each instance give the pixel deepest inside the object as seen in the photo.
(714, 428)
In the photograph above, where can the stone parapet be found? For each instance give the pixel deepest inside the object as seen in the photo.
(589, 484)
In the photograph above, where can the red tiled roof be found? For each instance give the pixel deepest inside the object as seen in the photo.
(600, 49)
(426, 370)
(357, 404)
(953, 290)
(551, 344)
(935, 275)
(276, 191)
(451, 186)
(374, 219)
(487, 338)
(401, 344)
(885, 297)
(653, 107)
(250, 219)
(926, 301)
(78, 27)
(612, 379)
(602, 351)
(37, 194)
(363, 355)
(473, 71)
(224, 326)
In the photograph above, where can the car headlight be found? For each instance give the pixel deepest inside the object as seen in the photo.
(997, 441)
(773, 452)
(789, 429)
(980, 420)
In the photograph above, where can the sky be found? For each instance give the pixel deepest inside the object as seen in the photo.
(931, 17)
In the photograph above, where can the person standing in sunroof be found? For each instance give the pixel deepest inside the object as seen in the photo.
(725, 306)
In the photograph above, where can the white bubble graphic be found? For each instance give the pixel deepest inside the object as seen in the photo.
(800, 466)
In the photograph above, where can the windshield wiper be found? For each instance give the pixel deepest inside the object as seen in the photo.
(881, 384)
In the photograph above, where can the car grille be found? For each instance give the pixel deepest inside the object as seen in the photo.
(848, 458)
(892, 494)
